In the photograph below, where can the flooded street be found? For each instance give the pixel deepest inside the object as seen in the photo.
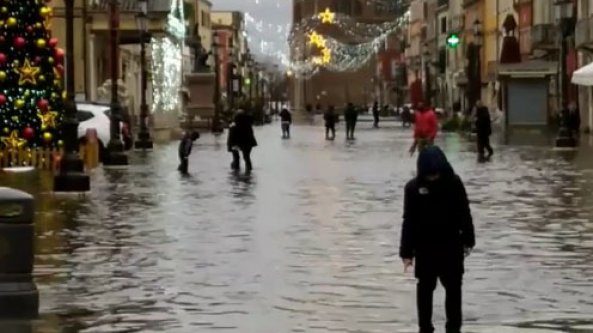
(308, 242)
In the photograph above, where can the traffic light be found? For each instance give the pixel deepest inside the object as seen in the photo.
(453, 41)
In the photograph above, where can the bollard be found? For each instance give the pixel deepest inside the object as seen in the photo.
(19, 297)
(91, 157)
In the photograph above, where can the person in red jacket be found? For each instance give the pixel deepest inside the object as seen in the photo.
(425, 128)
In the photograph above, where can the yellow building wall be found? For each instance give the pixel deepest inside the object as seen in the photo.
(58, 30)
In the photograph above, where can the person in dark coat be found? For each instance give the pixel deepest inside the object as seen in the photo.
(185, 147)
(406, 116)
(330, 123)
(241, 140)
(350, 116)
(286, 119)
(437, 234)
(574, 119)
(483, 131)
(376, 114)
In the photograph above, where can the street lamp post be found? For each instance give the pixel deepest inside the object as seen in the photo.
(144, 142)
(71, 177)
(115, 149)
(566, 21)
(428, 84)
(216, 98)
(478, 41)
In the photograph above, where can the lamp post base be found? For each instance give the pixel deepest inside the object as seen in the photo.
(115, 155)
(144, 142)
(72, 182)
(71, 177)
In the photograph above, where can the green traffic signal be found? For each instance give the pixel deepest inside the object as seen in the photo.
(453, 41)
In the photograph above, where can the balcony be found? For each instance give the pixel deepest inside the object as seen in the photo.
(584, 33)
(126, 6)
(442, 4)
(543, 36)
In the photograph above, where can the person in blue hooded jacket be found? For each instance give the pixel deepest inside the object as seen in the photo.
(437, 234)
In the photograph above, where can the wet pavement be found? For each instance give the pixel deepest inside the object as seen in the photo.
(308, 242)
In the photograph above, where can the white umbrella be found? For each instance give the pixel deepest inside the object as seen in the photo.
(583, 76)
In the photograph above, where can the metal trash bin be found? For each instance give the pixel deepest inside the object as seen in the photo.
(19, 297)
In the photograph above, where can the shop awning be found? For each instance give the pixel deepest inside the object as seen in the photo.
(583, 76)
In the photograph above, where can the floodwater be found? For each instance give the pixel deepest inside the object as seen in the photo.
(307, 242)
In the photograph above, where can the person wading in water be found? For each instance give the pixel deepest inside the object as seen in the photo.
(437, 234)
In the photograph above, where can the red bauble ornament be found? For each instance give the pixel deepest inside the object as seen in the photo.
(59, 54)
(60, 68)
(2, 99)
(43, 104)
(29, 29)
(2, 39)
(3, 58)
(53, 42)
(28, 133)
(19, 42)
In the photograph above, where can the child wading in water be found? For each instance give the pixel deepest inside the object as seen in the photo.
(185, 146)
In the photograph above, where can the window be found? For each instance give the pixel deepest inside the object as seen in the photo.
(84, 115)
(443, 25)
(342, 6)
(204, 17)
(297, 13)
(357, 8)
(442, 60)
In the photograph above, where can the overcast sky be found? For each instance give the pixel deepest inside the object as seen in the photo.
(267, 22)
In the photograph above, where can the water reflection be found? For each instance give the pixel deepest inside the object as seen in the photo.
(307, 242)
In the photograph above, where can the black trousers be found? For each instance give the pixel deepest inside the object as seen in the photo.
(424, 292)
(285, 130)
(484, 145)
(350, 127)
(246, 157)
(330, 129)
(183, 165)
(376, 122)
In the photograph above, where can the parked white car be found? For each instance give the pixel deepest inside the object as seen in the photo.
(96, 116)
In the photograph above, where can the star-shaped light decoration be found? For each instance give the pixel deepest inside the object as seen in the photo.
(327, 16)
(316, 39)
(48, 119)
(13, 141)
(326, 55)
(27, 73)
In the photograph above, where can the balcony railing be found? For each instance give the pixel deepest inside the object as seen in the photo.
(154, 6)
(442, 3)
(584, 32)
(543, 36)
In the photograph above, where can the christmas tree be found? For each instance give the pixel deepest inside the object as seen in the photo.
(31, 68)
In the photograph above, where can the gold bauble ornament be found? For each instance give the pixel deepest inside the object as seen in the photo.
(2, 75)
(44, 11)
(50, 60)
(60, 143)
(3, 10)
(19, 103)
(11, 22)
(47, 136)
(41, 78)
(6, 130)
(64, 95)
(43, 127)
(27, 93)
(40, 43)
(38, 25)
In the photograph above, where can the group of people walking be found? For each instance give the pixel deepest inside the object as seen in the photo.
(437, 231)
